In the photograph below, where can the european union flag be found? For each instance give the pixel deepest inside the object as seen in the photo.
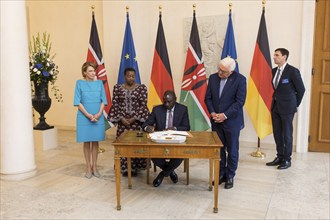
(229, 47)
(128, 56)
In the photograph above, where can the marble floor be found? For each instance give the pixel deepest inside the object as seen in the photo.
(60, 191)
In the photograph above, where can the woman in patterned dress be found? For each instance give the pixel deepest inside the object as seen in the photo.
(128, 111)
(89, 97)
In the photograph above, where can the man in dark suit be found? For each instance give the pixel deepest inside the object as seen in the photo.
(168, 116)
(288, 92)
(225, 98)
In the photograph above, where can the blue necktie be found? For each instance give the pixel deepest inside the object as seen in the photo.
(222, 85)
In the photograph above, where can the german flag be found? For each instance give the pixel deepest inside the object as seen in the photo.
(260, 89)
(161, 76)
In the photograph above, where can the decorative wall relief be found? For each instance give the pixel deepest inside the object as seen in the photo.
(212, 32)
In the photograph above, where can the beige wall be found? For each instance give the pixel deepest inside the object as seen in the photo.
(69, 24)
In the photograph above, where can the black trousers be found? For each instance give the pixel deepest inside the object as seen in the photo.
(282, 131)
(167, 166)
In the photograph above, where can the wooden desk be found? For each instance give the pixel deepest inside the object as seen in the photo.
(203, 144)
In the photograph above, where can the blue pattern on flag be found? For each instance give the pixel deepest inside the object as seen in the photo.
(229, 47)
(128, 56)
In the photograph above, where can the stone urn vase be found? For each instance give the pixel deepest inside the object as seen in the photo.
(41, 103)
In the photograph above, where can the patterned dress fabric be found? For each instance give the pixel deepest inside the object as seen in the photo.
(90, 94)
(128, 103)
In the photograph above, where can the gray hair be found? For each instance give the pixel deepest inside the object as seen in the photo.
(228, 62)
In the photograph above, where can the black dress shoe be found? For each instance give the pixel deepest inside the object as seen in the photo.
(222, 179)
(275, 162)
(174, 177)
(284, 165)
(159, 179)
(229, 183)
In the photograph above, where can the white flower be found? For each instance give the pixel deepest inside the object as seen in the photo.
(35, 69)
(39, 72)
(51, 72)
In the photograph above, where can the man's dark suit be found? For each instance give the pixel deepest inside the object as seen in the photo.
(157, 118)
(231, 104)
(286, 98)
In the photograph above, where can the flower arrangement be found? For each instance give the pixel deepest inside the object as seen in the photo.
(42, 67)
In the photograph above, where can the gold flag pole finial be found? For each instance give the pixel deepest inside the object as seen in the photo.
(263, 4)
(230, 6)
(160, 9)
(194, 10)
(127, 9)
(93, 7)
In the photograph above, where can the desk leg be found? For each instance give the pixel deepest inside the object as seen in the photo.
(129, 172)
(117, 167)
(211, 174)
(216, 183)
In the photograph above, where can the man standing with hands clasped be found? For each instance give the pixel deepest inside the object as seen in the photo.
(288, 92)
(225, 98)
(168, 116)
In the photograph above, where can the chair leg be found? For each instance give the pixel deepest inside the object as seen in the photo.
(155, 168)
(185, 162)
(148, 170)
(186, 169)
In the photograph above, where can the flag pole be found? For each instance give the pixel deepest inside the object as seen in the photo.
(99, 150)
(258, 153)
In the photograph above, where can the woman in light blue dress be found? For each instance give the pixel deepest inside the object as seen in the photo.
(89, 97)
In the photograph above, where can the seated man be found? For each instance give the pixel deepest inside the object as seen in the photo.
(168, 116)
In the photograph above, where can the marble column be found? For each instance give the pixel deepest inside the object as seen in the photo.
(306, 65)
(17, 147)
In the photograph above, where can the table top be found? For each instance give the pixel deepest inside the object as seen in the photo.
(198, 139)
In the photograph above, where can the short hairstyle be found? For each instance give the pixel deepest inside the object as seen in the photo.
(228, 62)
(283, 51)
(129, 69)
(85, 66)
(169, 92)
